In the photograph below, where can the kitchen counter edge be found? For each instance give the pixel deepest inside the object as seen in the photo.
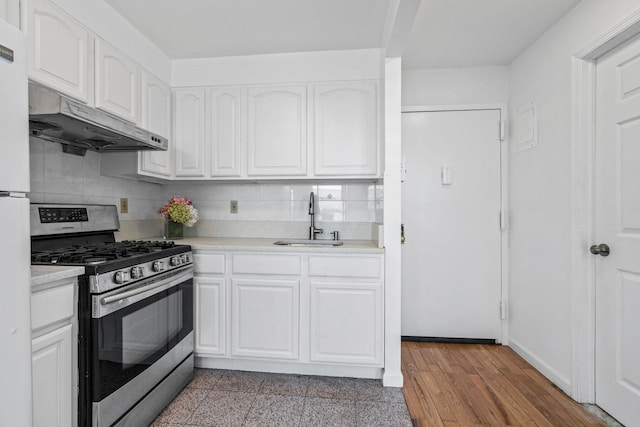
(266, 245)
(42, 274)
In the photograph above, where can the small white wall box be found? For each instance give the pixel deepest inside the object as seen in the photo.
(525, 128)
(446, 175)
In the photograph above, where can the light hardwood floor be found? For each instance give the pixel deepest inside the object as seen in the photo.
(472, 384)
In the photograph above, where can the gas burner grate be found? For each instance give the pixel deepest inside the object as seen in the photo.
(99, 253)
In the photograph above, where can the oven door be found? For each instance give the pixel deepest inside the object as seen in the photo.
(139, 334)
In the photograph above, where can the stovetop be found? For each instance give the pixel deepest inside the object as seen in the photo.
(98, 253)
(108, 256)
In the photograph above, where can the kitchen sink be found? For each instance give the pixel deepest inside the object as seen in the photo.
(312, 243)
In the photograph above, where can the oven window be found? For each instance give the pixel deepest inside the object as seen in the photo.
(128, 341)
(149, 329)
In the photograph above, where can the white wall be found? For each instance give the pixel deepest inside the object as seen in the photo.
(361, 64)
(455, 86)
(57, 177)
(540, 190)
(264, 209)
(281, 209)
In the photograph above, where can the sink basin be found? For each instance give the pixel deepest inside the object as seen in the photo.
(312, 243)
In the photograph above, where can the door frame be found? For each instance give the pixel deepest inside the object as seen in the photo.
(583, 144)
(504, 173)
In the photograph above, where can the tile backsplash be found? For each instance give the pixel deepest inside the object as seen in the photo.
(265, 209)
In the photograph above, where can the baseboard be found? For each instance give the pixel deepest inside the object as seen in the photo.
(449, 340)
(289, 368)
(551, 374)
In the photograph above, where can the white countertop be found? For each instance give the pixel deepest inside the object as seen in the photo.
(266, 245)
(41, 274)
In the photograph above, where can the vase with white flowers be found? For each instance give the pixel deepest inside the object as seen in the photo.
(178, 212)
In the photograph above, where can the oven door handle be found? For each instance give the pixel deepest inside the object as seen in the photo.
(155, 286)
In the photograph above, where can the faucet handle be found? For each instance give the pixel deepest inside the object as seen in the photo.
(335, 235)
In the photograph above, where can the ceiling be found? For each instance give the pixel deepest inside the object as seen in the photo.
(445, 33)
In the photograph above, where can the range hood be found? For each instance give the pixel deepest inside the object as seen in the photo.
(55, 117)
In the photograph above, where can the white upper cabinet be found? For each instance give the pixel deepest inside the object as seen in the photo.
(346, 129)
(156, 117)
(277, 131)
(58, 50)
(224, 131)
(189, 132)
(117, 82)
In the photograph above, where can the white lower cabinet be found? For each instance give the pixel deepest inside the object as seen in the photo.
(346, 322)
(52, 378)
(210, 296)
(210, 315)
(346, 310)
(265, 318)
(53, 354)
(311, 312)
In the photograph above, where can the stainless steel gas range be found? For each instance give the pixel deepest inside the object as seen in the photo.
(135, 312)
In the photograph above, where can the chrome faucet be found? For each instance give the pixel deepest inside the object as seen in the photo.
(312, 211)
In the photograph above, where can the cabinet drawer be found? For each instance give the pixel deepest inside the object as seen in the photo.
(207, 263)
(345, 266)
(266, 264)
(52, 305)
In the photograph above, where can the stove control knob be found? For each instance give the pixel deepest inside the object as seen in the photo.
(158, 266)
(137, 272)
(122, 277)
(184, 259)
(174, 260)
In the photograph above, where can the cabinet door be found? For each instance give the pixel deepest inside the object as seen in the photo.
(52, 379)
(277, 131)
(346, 322)
(10, 12)
(346, 129)
(210, 315)
(265, 318)
(58, 49)
(189, 131)
(156, 117)
(225, 131)
(117, 82)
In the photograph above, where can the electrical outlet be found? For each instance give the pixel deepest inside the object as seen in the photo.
(124, 205)
(233, 207)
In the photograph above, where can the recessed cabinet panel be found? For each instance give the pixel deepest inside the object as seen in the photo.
(346, 129)
(156, 117)
(189, 113)
(209, 263)
(210, 315)
(51, 367)
(346, 322)
(345, 266)
(225, 131)
(266, 264)
(52, 305)
(265, 319)
(277, 131)
(117, 82)
(58, 50)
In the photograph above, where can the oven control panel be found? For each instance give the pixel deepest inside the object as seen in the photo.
(108, 281)
(55, 214)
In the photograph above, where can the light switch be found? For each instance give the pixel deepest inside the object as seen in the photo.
(446, 175)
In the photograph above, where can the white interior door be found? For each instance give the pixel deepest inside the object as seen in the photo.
(451, 259)
(618, 226)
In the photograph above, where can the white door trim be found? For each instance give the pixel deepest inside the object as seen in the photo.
(504, 173)
(582, 201)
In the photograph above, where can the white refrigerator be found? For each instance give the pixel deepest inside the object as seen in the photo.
(15, 252)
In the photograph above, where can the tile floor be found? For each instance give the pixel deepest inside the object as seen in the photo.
(237, 398)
